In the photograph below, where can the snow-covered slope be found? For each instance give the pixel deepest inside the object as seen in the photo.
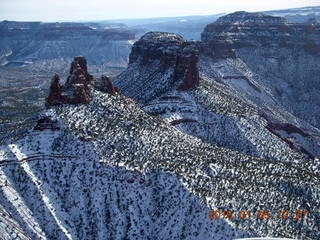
(112, 172)
(281, 57)
(68, 192)
(203, 133)
(225, 102)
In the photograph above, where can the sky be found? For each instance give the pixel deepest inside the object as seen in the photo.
(88, 10)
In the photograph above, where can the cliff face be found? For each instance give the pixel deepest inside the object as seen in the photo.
(160, 62)
(283, 58)
(26, 42)
(58, 31)
(256, 30)
(172, 51)
(246, 64)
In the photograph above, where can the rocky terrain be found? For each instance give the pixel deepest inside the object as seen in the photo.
(279, 56)
(157, 63)
(107, 170)
(232, 99)
(77, 87)
(24, 89)
(187, 127)
(30, 52)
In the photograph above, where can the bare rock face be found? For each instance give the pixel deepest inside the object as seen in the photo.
(55, 95)
(187, 68)
(47, 122)
(79, 72)
(156, 46)
(104, 84)
(160, 62)
(243, 29)
(77, 88)
(173, 52)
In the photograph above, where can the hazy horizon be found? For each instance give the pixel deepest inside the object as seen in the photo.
(96, 10)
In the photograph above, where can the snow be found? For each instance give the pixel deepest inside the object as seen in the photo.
(267, 238)
(14, 198)
(117, 170)
(111, 193)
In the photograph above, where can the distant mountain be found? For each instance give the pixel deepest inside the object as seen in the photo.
(189, 27)
(281, 57)
(104, 42)
(27, 42)
(298, 15)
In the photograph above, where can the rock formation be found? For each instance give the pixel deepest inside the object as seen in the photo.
(55, 95)
(115, 172)
(46, 121)
(77, 88)
(104, 84)
(187, 67)
(172, 51)
(79, 73)
(246, 61)
(165, 61)
(243, 29)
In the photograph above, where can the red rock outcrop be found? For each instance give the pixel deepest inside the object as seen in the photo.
(104, 84)
(79, 72)
(77, 88)
(47, 122)
(55, 94)
(168, 50)
(191, 73)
